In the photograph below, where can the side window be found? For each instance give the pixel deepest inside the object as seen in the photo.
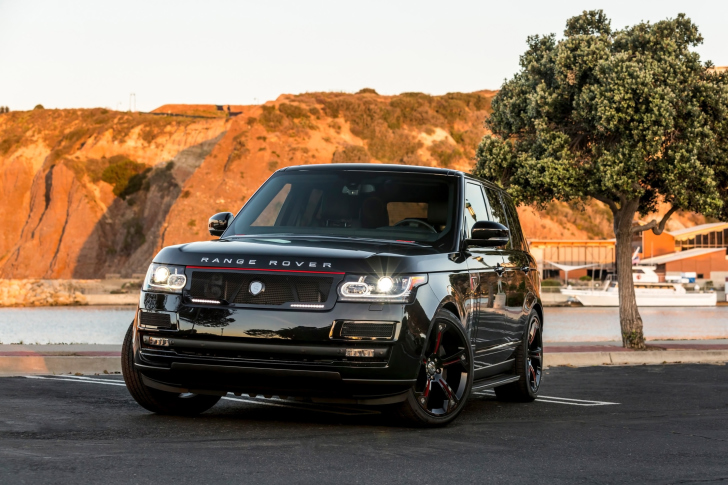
(519, 242)
(502, 211)
(475, 208)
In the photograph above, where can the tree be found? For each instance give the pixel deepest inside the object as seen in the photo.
(628, 117)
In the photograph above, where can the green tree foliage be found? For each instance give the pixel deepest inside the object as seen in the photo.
(628, 117)
(38, 106)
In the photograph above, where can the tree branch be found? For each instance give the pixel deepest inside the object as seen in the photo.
(608, 202)
(656, 228)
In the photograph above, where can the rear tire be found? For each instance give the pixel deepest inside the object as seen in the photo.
(154, 400)
(445, 377)
(529, 365)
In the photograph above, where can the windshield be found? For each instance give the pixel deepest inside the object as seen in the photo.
(403, 207)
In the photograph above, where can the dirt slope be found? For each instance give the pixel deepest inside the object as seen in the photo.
(89, 192)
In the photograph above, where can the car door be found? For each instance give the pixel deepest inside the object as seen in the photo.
(517, 265)
(489, 297)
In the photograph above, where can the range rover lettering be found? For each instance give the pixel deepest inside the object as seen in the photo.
(394, 286)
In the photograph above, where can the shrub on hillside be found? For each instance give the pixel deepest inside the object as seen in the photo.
(351, 154)
(124, 174)
(271, 119)
(445, 152)
(293, 111)
(38, 106)
(366, 91)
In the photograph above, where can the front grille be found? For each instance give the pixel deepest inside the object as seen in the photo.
(279, 289)
(149, 319)
(367, 330)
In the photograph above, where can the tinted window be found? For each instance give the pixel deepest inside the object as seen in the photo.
(503, 211)
(519, 242)
(475, 208)
(374, 205)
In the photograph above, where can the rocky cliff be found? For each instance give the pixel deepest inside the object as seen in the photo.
(89, 192)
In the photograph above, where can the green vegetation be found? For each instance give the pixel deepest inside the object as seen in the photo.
(273, 165)
(351, 154)
(445, 152)
(585, 278)
(271, 119)
(628, 117)
(550, 283)
(126, 175)
(38, 106)
(366, 91)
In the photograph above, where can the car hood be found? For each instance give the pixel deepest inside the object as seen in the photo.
(310, 255)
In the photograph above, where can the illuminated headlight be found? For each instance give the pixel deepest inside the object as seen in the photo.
(385, 289)
(165, 277)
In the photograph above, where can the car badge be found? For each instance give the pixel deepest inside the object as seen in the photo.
(256, 288)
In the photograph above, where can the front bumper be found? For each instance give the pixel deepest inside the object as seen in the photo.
(293, 353)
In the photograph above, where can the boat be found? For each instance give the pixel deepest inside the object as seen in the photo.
(648, 291)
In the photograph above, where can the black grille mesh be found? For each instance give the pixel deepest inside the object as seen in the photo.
(279, 289)
(155, 319)
(367, 330)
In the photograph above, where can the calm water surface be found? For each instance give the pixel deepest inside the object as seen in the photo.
(107, 325)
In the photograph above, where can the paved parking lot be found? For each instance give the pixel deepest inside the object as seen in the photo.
(643, 424)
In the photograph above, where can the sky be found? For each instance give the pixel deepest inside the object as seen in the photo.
(81, 54)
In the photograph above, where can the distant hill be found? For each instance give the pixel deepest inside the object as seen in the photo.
(89, 192)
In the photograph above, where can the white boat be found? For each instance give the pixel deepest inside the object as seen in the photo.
(648, 292)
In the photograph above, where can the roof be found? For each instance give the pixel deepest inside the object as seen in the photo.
(669, 258)
(372, 167)
(701, 229)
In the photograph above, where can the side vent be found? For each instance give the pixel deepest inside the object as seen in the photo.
(153, 319)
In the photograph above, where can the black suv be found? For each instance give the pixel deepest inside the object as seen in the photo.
(403, 286)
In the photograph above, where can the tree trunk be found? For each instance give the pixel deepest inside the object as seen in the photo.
(629, 316)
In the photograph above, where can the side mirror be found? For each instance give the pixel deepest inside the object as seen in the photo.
(219, 222)
(488, 234)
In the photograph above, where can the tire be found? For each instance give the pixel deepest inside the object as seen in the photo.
(154, 400)
(529, 365)
(445, 377)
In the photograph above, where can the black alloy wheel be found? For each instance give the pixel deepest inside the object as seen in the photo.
(445, 376)
(535, 354)
(529, 365)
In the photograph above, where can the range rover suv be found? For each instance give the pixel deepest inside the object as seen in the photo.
(397, 286)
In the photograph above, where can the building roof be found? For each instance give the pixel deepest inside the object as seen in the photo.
(669, 258)
(573, 242)
(701, 229)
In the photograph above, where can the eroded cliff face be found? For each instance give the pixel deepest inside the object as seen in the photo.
(60, 214)
(84, 193)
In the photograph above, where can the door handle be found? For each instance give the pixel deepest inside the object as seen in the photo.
(526, 269)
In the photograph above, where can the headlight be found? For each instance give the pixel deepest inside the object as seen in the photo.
(165, 277)
(385, 289)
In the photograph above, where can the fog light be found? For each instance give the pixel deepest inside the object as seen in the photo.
(359, 352)
(157, 341)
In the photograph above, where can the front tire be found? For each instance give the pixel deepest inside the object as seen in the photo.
(445, 377)
(529, 365)
(154, 400)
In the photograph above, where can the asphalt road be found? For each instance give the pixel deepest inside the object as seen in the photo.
(668, 424)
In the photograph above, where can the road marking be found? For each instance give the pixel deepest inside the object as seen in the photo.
(65, 378)
(558, 400)
(263, 401)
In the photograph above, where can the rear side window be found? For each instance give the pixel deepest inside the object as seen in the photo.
(502, 210)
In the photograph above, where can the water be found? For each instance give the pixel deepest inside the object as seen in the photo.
(107, 325)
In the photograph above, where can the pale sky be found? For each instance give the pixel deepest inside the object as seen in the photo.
(66, 54)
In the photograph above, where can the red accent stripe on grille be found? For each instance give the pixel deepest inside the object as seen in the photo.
(271, 270)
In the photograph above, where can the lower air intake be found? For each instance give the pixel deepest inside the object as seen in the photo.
(367, 330)
(150, 319)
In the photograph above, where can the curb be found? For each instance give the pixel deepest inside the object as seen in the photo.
(32, 365)
(585, 359)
